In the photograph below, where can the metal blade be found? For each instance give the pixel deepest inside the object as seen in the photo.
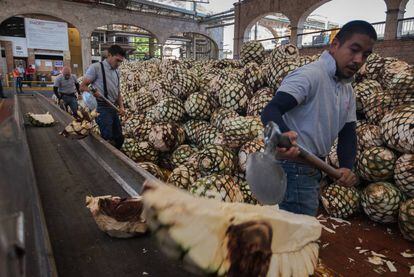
(89, 100)
(266, 178)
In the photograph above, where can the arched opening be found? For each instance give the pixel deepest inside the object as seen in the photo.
(272, 30)
(190, 46)
(406, 22)
(42, 45)
(139, 43)
(321, 25)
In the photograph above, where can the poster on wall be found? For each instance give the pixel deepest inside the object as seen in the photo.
(19, 45)
(43, 34)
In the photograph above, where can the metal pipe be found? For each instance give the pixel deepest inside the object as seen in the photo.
(220, 25)
(255, 30)
(220, 13)
(229, 16)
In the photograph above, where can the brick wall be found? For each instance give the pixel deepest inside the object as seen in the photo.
(402, 49)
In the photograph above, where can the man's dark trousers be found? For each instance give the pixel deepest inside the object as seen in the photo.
(110, 125)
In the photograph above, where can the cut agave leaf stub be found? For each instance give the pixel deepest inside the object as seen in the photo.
(266, 178)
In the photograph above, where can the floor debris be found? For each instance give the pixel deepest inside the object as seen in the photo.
(339, 220)
(407, 255)
(377, 254)
(328, 230)
(380, 270)
(375, 260)
(391, 266)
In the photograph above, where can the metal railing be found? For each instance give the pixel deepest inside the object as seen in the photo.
(146, 6)
(276, 41)
(10, 82)
(380, 29)
(324, 37)
(317, 38)
(406, 27)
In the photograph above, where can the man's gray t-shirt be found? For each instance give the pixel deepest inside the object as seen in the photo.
(94, 74)
(325, 104)
(66, 86)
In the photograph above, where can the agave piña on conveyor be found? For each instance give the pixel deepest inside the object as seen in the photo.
(40, 120)
(231, 239)
(118, 217)
(82, 125)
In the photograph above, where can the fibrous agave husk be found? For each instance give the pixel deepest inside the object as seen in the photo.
(231, 239)
(41, 120)
(118, 217)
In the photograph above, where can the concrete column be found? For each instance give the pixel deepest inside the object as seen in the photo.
(162, 51)
(152, 47)
(294, 35)
(391, 23)
(238, 32)
(299, 30)
(8, 48)
(30, 56)
(66, 58)
(2, 66)
(86, 51)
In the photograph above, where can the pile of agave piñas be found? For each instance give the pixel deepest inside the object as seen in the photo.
(384, 90)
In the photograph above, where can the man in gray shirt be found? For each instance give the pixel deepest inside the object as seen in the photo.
(104, 76)
(65, 88)
(315, 105)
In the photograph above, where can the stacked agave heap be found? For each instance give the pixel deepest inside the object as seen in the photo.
(194, 123)
(385, 155)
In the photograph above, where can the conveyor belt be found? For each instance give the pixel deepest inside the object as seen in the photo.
(66, 173)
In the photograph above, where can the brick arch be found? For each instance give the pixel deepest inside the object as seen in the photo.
(123, 22)
(256, 19)
(270, 29)
(301, 20)
(26, 12)
(86, 17)
(249, 10)
(404, 4)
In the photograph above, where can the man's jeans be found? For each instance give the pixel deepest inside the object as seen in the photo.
(19, 84)
(110, 126)
(302, 193)
(72, 102)
(1, 90)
